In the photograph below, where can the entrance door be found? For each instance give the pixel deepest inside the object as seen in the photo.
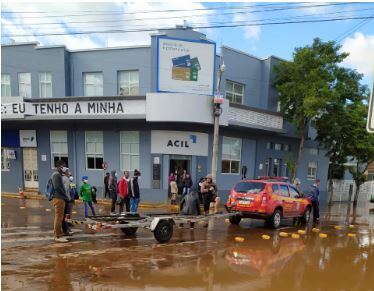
(30, 168)
(179, 163)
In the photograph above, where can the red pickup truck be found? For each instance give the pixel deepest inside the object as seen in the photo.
(268, 199)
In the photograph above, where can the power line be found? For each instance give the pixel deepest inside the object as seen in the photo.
(216, 23)
(199, 15)
(196, 27)
(157, 11)
(348, 32)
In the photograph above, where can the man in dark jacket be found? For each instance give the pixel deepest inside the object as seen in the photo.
(187, 184)
(314, 191)
(113, 190)
(106, 185)
(60, 198)
(134, 191)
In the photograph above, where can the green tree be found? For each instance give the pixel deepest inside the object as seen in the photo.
(361, 144)
(334, 125)
(307, 85)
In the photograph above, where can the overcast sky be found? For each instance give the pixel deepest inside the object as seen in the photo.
(355, 35)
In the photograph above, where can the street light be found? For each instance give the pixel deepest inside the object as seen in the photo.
(217, 111)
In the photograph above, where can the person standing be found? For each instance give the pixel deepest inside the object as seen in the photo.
(123, 190)
(190, 204)
(209, 192)
(174, 192)
(65, 180)
(170, 179)
(314, 191)
(60, 198)
(134, 191)
(113, 190)
(73, 196)
(106, 185)
(85, 192)
(187, 184)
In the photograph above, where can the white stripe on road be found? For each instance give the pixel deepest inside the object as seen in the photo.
(72, 238)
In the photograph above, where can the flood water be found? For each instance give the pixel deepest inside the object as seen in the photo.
(204, 259)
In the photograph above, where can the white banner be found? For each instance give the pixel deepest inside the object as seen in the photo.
(185, 66)
(97, 109)
(179, 143)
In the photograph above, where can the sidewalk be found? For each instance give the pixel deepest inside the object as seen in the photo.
(36, 196)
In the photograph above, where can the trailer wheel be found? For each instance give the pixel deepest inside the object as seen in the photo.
(130, 231)
(163, 231)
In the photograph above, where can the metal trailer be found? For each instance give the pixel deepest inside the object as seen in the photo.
(161, 224)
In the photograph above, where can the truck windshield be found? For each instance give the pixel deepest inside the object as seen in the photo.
(249, 187)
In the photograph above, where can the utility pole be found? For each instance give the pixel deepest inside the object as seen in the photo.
(217, 111)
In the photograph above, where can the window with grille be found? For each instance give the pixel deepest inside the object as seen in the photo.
(24, 84)
(312, 170)
(130, 154)
(128, 83)
(59, 147)
(94, 150)
(231, 155)
(234, 92)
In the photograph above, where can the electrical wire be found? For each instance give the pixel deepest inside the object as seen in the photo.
(194, 27)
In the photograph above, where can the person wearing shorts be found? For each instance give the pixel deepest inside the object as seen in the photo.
(209, 192)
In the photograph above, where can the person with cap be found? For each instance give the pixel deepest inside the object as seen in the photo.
(134, 191)
(113, 190)
(85, 192)
(314, 196)
(209, 192)
(59, 200)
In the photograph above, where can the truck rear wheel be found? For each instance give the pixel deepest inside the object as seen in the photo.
(163, 231)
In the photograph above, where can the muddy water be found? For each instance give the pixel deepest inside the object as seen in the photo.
(204, 259)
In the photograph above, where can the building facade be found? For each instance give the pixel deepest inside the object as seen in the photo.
(118, 108)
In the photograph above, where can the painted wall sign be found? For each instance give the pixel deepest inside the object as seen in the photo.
(98, 109)
(27, 138)
(179, 143)
(185, 66)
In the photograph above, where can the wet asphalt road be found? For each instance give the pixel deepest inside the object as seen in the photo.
(204, 259)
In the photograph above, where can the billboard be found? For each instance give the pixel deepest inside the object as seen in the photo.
(185, 66)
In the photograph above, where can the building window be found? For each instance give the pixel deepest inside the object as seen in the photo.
(130, 157)
(234, 92)
(371, 176)
(128, 83)
(45, 84)
(286, 147)
(313, 152)
(278, 106)
(93, 84)
(269, 145)
(278, 146)
(231, 155)
(312, 170)
(59, 147)
(94, 150)
(277, 167)
(5, 85)
(24, 83)
(267, 167)
(4, 160)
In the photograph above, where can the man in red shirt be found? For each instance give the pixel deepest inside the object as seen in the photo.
(123, 189)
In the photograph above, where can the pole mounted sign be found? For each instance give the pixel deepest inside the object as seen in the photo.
(370, 121)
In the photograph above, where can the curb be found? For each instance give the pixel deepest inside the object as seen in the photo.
(34, 196)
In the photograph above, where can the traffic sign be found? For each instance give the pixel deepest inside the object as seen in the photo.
(370, 121)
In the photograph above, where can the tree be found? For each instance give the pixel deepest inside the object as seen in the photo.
(333, 126)
(360, 145)
(307, 85)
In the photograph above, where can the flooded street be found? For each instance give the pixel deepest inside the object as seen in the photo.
(338, 257)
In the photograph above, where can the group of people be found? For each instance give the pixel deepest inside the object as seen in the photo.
(63, 199)
(180, 183)
(126, 190)
(207, 193)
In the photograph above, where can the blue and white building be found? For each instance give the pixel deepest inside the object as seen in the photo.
(144, 107)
